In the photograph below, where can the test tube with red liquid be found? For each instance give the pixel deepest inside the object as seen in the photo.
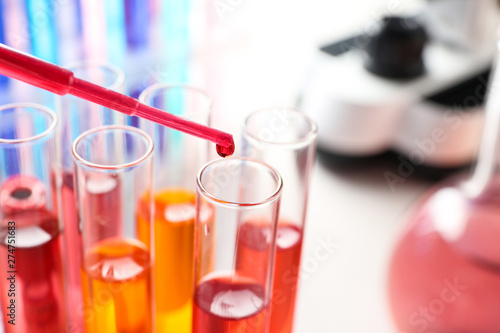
(32, 277)
(113, 170)
(76, 116)
(285, 139)
(232, 294)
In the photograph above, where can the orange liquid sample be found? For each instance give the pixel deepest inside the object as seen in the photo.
(117, 287)
(174, 246)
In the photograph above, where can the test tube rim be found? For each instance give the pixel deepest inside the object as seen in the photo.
(276, 194)
(79, 159)
(120, 74)
(305, 140)
(164, 86)
(48, 131)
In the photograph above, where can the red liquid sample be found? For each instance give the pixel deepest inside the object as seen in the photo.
(228, 305)
(73, 248)
(440, 286)
(253, 251)
(39, 289)
(225, 151)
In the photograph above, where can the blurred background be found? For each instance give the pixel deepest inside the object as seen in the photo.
(385, 135)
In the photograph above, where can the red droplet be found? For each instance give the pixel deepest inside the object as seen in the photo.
(225, 151)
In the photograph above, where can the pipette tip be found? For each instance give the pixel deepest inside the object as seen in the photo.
(225, 151)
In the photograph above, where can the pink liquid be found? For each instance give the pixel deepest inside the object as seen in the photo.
(37, 268)
(101, 203)
(440, 286)
(73, 245)
(225, 305)
(286, 274)
(253, 251)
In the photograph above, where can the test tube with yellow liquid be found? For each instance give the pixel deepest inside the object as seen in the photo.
(178, 158)
(113, 173)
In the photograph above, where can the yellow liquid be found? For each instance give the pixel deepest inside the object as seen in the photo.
(174, 248)
(117, 287)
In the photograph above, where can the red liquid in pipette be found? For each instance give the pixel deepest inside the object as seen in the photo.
(61, 81)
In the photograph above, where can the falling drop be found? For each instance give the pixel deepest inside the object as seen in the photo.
(225, 151)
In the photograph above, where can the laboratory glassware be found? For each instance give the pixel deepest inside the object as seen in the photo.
(178, 158)
(444, 272)
(237, 201)
(284, 138)
(61, 81)
(113, 172)
(77, 116)
(32, 276)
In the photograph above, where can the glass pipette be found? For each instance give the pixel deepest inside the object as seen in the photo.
(61, 81)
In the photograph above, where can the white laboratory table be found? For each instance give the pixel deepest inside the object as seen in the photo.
(360, 217)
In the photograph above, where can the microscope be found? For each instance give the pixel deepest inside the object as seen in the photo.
(414, 86)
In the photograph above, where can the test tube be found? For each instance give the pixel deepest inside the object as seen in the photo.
(77, 116)
(178, 157)
(31, 268)
(285, 139)
(113, 172)
(237, 203)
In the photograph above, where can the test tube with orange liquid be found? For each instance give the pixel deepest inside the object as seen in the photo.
(76, 116)
(113, 170)
(177, 160)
